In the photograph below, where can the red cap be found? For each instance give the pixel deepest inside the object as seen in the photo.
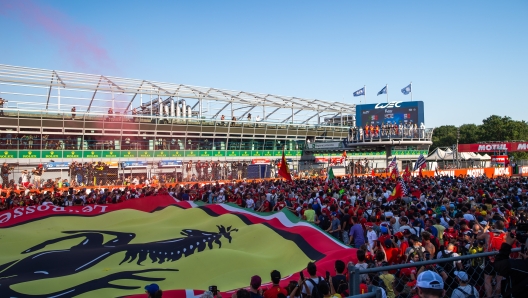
(399, 235)
(406, 271)
(369, 224)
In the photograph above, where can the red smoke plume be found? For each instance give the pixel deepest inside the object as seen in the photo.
(76, 42)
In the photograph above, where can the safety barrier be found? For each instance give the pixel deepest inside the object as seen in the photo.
(473, 265)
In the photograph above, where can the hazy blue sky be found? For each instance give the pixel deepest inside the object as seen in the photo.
(467, 59)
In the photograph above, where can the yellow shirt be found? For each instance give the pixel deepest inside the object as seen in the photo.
(310, 215)
(440, 229)
(388, 279)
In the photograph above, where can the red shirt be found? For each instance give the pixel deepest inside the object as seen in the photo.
(280, 205)
(274, 291)
(266, 206)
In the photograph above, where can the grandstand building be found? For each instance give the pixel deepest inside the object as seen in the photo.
(56, 117)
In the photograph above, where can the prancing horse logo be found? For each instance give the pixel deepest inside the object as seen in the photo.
(92, 250)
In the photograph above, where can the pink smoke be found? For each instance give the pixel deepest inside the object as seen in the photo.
(77, 42)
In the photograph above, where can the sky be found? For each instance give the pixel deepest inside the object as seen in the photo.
(467, 60)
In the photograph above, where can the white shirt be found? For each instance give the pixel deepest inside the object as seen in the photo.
(371, 236)
(220, 198)
(440, 253)
(309, 284)
(250, 204)
(406, 227)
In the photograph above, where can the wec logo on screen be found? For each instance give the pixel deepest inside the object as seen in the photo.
(392, 104)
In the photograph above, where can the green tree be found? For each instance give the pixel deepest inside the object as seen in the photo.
(495, 128)
(444, 136)
(469, 133)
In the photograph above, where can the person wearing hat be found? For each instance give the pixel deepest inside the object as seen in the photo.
(153, 291)
(371, 235)
(430, 284)
(275, 288)
(37, 174)
(464, 289)
(254, 286)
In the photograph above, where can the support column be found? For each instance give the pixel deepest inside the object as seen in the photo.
(388, 153)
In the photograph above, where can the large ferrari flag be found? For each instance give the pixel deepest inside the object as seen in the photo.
(98, 251)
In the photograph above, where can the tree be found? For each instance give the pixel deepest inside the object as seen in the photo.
(444, 136)
(493, 129)
(469, 133)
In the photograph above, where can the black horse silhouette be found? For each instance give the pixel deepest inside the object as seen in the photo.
(92, 250)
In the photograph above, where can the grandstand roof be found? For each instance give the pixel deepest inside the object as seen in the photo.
(126, 91)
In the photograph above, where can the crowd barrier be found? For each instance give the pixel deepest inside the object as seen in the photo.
(471, 266)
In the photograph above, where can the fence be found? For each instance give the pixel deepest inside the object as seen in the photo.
(373, 292)
(473, 266)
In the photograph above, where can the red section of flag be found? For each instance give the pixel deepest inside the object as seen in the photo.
(30, 213)
(420, 172)
(394, 174)
(373, 174)
(396, 193)
(284, 171)
(407, 174)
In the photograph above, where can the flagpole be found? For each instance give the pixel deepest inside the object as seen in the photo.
(365, 93)
(387, 91)
(411, 90)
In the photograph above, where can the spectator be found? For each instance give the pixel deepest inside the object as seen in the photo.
(430, 285)
(356, 233)
(339, 281)
(371, 235)
(153, 291)
(309, 215)
(464, 289)
(313, 279)
(254, 286)
(275, 288)
(388, 281)
(335, 226)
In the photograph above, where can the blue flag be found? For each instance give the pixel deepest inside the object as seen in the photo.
(383, 91)
(360, 92)
(407, 90)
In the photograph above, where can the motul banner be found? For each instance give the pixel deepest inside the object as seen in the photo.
(325, 159)
(523, 171)
(260, 161)
(493, 147)
(472, 172)
(499, 158)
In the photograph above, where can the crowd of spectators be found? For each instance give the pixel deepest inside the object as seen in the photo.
(441, 217)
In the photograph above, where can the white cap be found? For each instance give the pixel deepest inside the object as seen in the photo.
(462, 275)
(430, 280)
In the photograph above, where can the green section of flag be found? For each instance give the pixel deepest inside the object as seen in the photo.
(330, 175)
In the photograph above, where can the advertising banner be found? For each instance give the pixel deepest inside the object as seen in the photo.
(260, 161)
(57, 166)
(170, 163)
(133, 164)
(494, 147)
